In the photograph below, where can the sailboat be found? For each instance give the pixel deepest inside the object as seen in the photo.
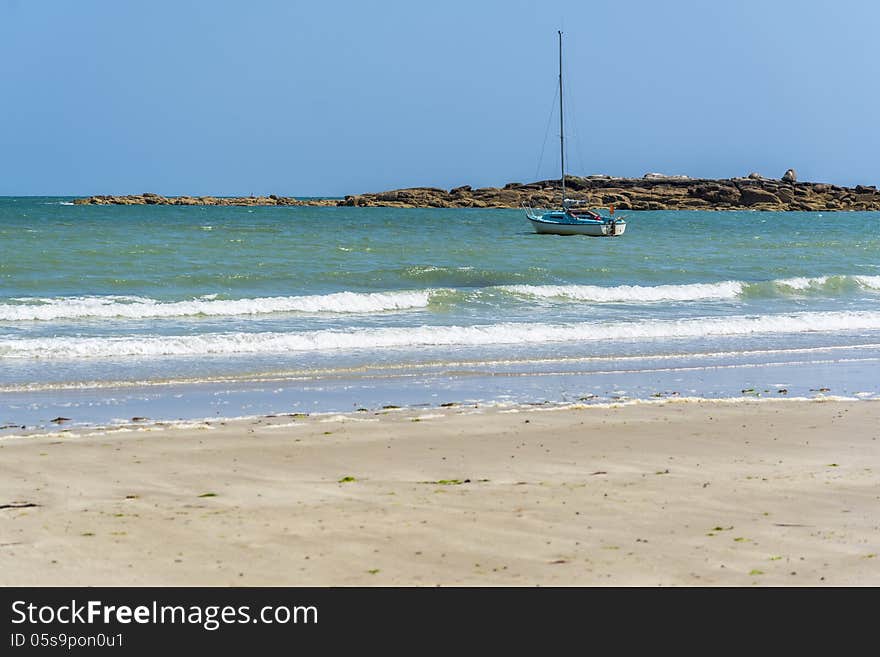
(569, 219)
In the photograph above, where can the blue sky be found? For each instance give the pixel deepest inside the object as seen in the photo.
(307, 98)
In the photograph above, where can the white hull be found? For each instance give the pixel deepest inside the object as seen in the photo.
(591, 228)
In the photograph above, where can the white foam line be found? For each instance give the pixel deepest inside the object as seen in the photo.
(80, 348)
(691, 368)
(390, 370)
(136, 307)
(630, 293)
(688, 291)
(287, 425)
(692, 400)
(126, 307)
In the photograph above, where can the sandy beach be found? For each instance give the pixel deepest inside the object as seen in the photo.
(685, 493)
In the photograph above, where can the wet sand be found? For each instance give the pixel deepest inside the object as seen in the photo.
(699, 493)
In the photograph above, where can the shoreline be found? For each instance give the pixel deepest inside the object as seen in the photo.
(549, 383)
(652, 192)
(137, 424)
(674, 493)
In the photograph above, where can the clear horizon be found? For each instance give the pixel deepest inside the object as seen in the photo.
(292, 99)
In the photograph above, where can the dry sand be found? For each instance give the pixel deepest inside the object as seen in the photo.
(768, 493)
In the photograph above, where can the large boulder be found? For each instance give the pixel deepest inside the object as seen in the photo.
(790, 176)
(715, 193)
(754, 175)
(785, 194)
(756, 195)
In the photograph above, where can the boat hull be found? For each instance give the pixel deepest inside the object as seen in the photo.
(589, 228)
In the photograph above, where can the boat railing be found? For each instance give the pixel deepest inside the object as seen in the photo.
(531, 213)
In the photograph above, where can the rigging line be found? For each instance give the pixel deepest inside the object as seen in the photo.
(546, 133)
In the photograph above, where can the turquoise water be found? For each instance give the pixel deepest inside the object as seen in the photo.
(108, 312)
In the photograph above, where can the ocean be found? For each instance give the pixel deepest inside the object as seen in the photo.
(161, 312)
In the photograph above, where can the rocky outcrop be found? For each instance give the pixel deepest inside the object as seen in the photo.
(653, 192)
(155, 199)
(649, 193)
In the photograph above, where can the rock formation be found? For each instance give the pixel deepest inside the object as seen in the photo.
(653, 192)
(155, 199)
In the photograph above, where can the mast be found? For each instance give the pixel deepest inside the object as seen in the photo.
(561, 126)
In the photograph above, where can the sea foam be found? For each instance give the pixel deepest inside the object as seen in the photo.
(137, 307)
(422, 336)
(823, 285)
(630, 293)
(127, 307)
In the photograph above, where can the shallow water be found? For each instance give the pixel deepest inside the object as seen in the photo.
(108, 312)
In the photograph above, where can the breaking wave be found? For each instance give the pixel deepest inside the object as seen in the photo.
(630, 293)
(126, 307)
(819, 285)
(134, 307)
(425, 336)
